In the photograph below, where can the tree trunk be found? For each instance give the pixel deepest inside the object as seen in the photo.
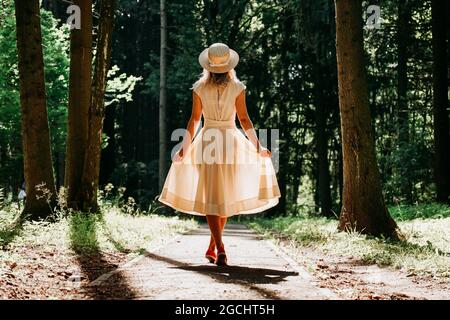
(79, 101)
(363, 208)
(163, 98)
(440, 101)
(91, 169)
(37, 158)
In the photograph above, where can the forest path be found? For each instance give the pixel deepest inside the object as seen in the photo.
(178, 270)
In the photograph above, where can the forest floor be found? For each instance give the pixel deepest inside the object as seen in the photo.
(117, 256)
(44, 260)
(355, 266)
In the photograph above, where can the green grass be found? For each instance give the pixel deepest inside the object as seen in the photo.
(426, 249)
(113, 231)
(424, 211)
(10, 225)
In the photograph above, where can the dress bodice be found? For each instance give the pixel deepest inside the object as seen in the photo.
(220, 175)
(219, 103)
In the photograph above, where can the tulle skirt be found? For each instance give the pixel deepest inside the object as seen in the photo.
(221, 174)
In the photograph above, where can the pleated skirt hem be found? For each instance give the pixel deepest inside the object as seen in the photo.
(247, 207)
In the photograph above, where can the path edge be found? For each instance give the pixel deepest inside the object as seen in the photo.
(152, 248)
(327, 293)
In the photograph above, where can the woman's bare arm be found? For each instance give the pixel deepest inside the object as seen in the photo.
(192, 125)
(247, 125)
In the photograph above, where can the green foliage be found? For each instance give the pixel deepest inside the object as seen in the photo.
(406, 166)
(85, 234)
(420, 211)
(10, 142)
(10, 224)
(56, 43)
(287, 60)
(120, 87)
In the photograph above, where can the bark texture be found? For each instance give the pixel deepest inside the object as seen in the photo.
(363, 207)
(37, 158)
(91, 171)
(79, 102)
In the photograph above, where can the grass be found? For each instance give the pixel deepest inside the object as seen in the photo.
(10, 225)
(57, 259)
(420, 211)
(84, 234)
(426, 249)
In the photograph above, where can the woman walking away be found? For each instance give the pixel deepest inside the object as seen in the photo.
(220, 173)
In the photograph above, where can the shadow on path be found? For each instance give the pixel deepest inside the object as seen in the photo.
(245, 276)
(92, 262)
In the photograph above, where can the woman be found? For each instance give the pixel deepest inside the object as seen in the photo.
(220, 173)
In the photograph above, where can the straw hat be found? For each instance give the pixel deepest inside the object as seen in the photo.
(218, 58)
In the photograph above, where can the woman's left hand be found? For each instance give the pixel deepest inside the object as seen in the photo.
(265, 153)
(178, 156)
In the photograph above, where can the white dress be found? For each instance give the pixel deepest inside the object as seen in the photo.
(221, 173)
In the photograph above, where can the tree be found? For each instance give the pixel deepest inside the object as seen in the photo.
(91, 171)
(363, 207)
(38, 168)
(440, 101)
(163, 97)
(79, 102)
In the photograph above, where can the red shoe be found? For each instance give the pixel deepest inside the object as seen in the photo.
(210, 255)
(221, 259)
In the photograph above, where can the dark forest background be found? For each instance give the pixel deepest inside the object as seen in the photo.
(288, 62)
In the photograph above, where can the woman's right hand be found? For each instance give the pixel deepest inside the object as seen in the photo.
(265, 153)
(178, 156)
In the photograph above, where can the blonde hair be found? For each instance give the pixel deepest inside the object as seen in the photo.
(207, 78)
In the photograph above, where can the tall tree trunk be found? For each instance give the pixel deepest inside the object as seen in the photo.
(340, 177)
(37, 158)
(440, 101)
(79, 101)
(91, 170)
(163, 98)
(363, 208)
(403, 31)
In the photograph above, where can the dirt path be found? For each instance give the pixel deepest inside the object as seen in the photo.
(178, 270)
(352, 279)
